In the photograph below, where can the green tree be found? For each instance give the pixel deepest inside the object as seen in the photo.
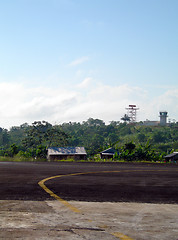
(41, 151)
(125, 118)
(13, 150)
(54, 136)
(141, 137)
(41, 135)
(130, 147)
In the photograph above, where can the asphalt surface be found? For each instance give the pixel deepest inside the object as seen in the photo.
(101, 182)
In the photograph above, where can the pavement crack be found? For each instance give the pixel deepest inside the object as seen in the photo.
(90, 229)
(77, 228)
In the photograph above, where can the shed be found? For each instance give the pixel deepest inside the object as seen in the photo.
(59, 153)
(172, 157)
(108, 153)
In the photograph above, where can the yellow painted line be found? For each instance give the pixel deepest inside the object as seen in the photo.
(67, 204)
(76, 210)
(121, 236)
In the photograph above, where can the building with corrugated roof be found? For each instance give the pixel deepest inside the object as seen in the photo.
(108, 153)
(60, 153)
(173, 157)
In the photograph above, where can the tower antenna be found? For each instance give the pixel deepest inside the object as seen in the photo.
(132, 112)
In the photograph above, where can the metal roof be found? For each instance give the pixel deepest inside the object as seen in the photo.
(171, 155)
(109, 151)
(66, 151)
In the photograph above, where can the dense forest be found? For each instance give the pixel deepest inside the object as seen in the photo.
(134, 141)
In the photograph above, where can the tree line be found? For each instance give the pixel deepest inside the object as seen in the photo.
(134, 141)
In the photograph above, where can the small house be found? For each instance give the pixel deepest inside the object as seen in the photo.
(173, 157)
(108, 153)
(60, 153)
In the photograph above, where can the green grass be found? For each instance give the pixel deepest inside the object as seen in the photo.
(30, 159)
(21, 159)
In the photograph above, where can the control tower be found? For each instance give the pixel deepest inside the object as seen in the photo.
(163, 118)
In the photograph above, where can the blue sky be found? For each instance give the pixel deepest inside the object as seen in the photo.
(68, 60)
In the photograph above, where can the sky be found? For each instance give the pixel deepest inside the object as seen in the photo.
(69, 60)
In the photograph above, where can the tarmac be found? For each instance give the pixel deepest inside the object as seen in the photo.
(88, 201)
(44, 220)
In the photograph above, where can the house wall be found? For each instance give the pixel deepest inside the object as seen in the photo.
(106, 156)
(173, 158)
(65, 157)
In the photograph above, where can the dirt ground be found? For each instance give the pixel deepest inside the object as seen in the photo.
(115, 201)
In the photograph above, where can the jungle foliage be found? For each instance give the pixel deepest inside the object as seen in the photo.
(134, 141)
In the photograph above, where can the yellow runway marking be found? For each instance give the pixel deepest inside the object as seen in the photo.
(72, 208)
(76, 210)
(67, 204)
(121, 236)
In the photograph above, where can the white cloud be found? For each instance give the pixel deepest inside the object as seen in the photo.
(85, 83)
(79, 61)
(20, 104)
(167, 101)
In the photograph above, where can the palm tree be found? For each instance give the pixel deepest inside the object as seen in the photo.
(125, 118)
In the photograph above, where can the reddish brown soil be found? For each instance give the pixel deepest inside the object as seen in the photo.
(154, 183)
